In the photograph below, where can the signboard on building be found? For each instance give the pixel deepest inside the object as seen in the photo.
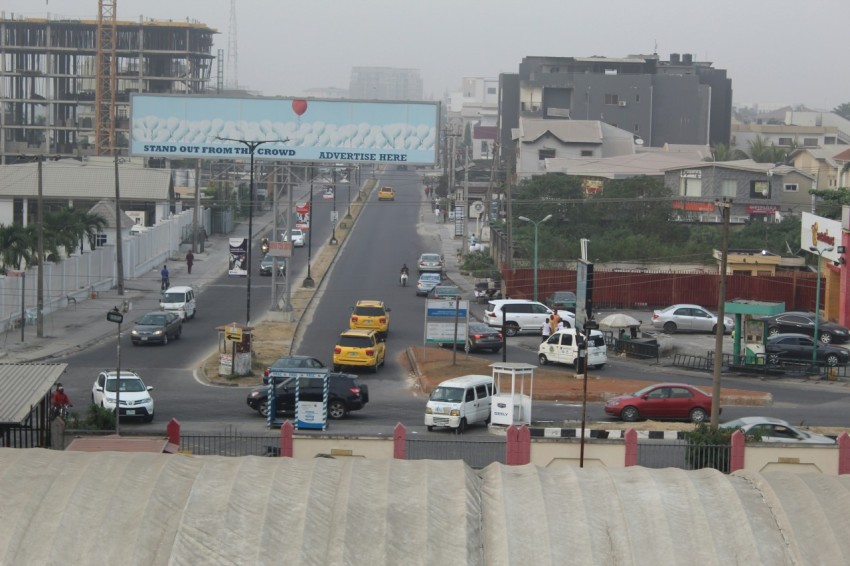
(821, 233)
(336, 131)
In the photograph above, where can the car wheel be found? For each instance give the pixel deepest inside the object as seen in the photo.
(179, 333)
(337, 368)
(165, 339)
(669, 327)
(461, 428)
(542, 359)
(263, 409)
(430, 428)
(825, 337)
(375, 367)
(773, 359)
(630, 414)
(714, 329)
(831, 360)
(194, 312)
(496, 350)
(772, 331)
(149, 418)
(336, 409)
(698, 415)
(511, 329)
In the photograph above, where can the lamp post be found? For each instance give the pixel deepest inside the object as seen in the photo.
(333, 214)
(536, 226)
(308, 281)
(818, 251)
(251, 146)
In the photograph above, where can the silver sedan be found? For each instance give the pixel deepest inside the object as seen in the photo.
(688, 318)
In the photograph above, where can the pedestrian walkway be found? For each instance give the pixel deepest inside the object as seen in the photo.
(83, 324)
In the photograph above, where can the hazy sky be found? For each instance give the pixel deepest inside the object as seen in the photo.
(775, 51)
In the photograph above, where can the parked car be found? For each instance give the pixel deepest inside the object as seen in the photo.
(799, 347)
(480, 337)
(386, 193)
(426, 282)
(267, 263)
(431, 263)
(522, 315)
(804, 323)
(132, 393)
(298, 237)
(157, 327)
(290, 363)
(561, 300)
(373, 315)
(359, 347)
(662, 401)
(444, 292)
(688, 318)
(770, 429)
(345, 394)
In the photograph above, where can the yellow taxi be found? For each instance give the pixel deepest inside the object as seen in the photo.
(372, 315)
(359, 347)
(386, 193)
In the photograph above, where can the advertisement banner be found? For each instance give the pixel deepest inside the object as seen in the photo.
(238, 257)
(446, 321)
(300, 129)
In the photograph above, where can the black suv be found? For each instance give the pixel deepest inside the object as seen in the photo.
(345, 394)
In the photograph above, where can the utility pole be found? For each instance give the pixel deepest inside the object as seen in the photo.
(724, 205)
(465, 201)
(39, 300)
(119, 246)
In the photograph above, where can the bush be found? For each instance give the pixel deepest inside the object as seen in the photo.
(708, 447)
(97, 418)
(479, 262)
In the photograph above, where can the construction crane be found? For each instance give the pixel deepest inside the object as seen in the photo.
(106, 72)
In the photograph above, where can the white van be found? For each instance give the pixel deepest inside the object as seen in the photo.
(180, 300)
(562, 347)
(459, 402)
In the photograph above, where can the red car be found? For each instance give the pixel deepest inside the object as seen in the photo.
(662, 401)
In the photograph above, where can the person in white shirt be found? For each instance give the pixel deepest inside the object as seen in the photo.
(545, 330)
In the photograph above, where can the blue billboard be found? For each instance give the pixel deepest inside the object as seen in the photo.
(293, 129)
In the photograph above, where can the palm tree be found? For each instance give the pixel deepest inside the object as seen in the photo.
(722, 152)
(18, 245)
(70, 226)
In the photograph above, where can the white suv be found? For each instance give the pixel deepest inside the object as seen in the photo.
(135, 397)
(522, 315)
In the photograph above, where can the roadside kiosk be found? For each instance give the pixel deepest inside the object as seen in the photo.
(234, 349)
(302, 390)
(512, 406)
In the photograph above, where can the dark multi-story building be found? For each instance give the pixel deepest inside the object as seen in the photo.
(680, 101)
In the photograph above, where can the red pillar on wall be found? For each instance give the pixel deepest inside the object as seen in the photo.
(843, 454)
(399, 442)
(736, 451)
(286, 440)
(172, 430)
(844, 283)
(631, 447)
(518, 446)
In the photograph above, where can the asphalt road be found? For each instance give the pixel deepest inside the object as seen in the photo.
(367, 267)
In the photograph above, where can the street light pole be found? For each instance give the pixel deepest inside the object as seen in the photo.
(252, 147)
(333, 214)
(818, 251)
(308, 281)
(536, 226)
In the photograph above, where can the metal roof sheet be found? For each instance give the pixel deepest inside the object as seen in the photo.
(23, 386)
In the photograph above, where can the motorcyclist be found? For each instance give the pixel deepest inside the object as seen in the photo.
(404, 274)
(264, 246)
(59, 399)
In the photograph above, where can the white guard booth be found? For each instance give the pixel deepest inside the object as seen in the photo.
(512, 406)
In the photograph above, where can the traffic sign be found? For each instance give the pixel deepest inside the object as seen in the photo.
(114, 316)
(233, 333)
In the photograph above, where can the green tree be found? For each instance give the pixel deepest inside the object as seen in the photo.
(72, 226)
(722, 152)
(763, 152)
(843, 110)
(17, 245)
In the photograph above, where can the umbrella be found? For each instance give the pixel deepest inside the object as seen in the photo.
(619, 320)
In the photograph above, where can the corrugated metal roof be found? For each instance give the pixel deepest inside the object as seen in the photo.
(89, 180)
(22, 386)
(567, 131)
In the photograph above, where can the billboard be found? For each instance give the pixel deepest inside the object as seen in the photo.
(299, 129)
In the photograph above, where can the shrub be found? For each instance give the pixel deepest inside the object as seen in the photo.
(708, 447)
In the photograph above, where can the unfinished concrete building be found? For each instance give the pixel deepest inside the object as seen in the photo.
(49, 78)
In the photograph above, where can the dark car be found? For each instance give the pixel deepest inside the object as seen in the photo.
(482, 337)
(799, 347)
(157, 327)
(795, 322)
(561, 300)
(266, 265)
(345, 394)
(662, 401)
(290, 363)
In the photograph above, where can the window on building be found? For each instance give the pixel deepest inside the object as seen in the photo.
(612, 99)
(545, 153)
(829, 140)
(637, 98)
(690, 187)
(790, 187)
(729, 188)
(759, 189)
(637, 128)
(785, 141)
(810, 142)
(587, 153)
(491, 90)
(100, 239)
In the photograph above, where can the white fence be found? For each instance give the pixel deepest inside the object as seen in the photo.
(76, 277)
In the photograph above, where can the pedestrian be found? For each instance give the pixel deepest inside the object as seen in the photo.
(560, 325)
(190, 259)
(545, 330)
(553, 322)
(445, 214)
(437, 214)
(165, 280)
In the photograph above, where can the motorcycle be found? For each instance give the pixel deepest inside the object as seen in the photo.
(403, 279)
(264, 247)
(59, 411)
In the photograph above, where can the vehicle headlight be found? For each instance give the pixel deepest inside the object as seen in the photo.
(429, 411)
(454, 413)
(157, 332)
(254, 394)
(134, 332)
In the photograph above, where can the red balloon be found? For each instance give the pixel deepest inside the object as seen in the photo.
(299, 106)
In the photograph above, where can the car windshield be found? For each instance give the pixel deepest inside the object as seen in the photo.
(369, 311)
(478, 328)
(737, 423)
(447, 394)
(174, 297)
(430, 257)
(267, 258)
(153, 320)
(128, 385)
(281, 363)
(430, 278)
(596, 341)
(355, 342)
